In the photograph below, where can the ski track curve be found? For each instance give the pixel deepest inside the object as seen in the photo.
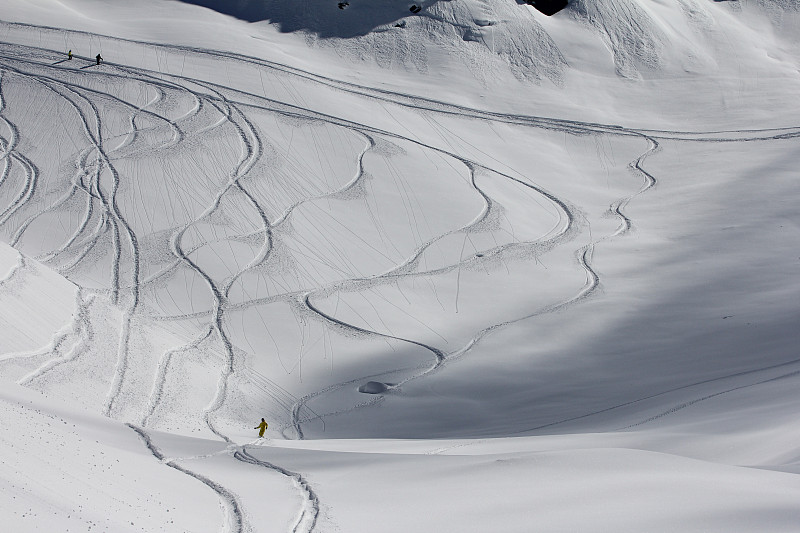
(233, 518)
(252, 149)
(309, 512)
(10, 155)
(583, 256)
(159, 382)
(705, 382)
(16, 269)
(631, 403)
(93, 134)
(80, 328)
(117, 221)
(674, 409)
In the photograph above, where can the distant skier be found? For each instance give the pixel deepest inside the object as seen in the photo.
(69, 55)
(98, 58)
(262, 427)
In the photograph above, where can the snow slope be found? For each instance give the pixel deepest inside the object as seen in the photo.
(559, 255)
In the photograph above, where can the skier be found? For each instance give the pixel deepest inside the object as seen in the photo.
(69, 55)
(98, 58)
(262, 427)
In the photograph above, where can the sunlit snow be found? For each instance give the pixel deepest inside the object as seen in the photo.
(478, 268)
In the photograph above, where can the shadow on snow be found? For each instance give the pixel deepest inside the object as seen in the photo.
(323, 17)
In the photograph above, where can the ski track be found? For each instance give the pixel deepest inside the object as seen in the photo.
(159, 382)
(80, 329)
(672, 410)
(690, 403)
(309, 511)
(252, 150)
(55, 344)
(59, 339)
(11, 155)
(109, 201)
(302, 403)
(95, 165)
(678, 407)
(117, 220)
(14, 271)
(233, 518)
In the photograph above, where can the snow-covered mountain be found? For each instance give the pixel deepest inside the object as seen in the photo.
(479, 269)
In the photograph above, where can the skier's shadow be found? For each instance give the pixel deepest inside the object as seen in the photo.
(88, 66)
(58, 62)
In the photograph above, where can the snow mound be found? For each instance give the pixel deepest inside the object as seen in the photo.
(373, 387)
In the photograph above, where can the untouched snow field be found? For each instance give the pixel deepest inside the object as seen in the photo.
(480, 269)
